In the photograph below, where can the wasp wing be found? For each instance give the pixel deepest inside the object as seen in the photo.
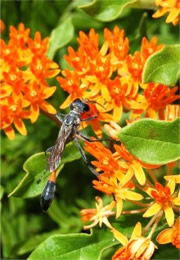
(55, 156)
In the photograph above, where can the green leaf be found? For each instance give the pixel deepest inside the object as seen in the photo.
(166, 252)
(32, 242)
(75, 246)
(105, 10)
(163, 67)
(1, 191)
(32, 184)
(60, 36)
(152, 141)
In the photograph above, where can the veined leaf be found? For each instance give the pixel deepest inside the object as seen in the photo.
(163, 67)
(152, 141)
(75, 246)
(60, 36)
(36, 175)
(105, 10)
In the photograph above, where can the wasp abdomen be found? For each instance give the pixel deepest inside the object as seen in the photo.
(48, 195)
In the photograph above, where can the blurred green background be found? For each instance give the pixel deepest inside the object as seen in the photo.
(24, 225)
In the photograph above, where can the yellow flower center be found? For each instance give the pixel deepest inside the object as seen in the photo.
(13, 107)
(7, 51)
(39, 67)
(12, 76)
(116, 90)
(33, 93)
(70, 82)
(135, 65)
(38, 45)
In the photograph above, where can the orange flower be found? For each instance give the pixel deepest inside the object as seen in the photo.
(168, 6)
(99, 215)
(36, 95)
(134, 165)
(38, 46)
(148, 48)
(172, 112)
(158, 96)
(19, 36)
(170, 235)
(106, 161)
(108, 75)
(117, 45)
(120, 186)
(12, 109)
(165, 199)
(137, 248)
(71, 83)
(135, 63)
(24, 73)
(118, 93)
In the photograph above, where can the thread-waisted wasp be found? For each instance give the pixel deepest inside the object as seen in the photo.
(68, 131)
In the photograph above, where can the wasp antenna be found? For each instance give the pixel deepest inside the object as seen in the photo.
(95, 102)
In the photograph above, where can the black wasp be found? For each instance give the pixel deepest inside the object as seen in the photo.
(68, 131)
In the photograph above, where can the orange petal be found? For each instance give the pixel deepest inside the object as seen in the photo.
(119, 206)
(9, 131)
(169, 214)
(171, 184)
(131, 195)
(173, 14)
(127, 177)
(20, 126)
(159, 13)
(34, 113)
(165, 236)
(139, 173)
(105, 92)
(67, 102)
(5, 91)
(48, 108)
(48, 92)
(137, 231)
(97, 128)
(154, 209)
(175, 177)
(120, 237)
(117, 113)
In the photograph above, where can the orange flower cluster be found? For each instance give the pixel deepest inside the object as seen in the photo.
(172, 7)
(112, 77)
(25, 69)
(120, 172)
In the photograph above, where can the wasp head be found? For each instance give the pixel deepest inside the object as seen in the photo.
(79, 105)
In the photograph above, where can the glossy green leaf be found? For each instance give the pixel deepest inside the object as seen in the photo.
(60, 36)
(75, 246)
(105, 10)
(164, 66)
(152, 141)
(36, 176)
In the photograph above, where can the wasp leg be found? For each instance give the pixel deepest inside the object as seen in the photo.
(58, 116)
(89, 118)
(85, 138)
(84, 157)
(49, 150)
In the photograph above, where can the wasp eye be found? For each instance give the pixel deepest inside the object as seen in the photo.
(86, 107)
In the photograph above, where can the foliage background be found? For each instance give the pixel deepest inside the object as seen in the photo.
(24, 225)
